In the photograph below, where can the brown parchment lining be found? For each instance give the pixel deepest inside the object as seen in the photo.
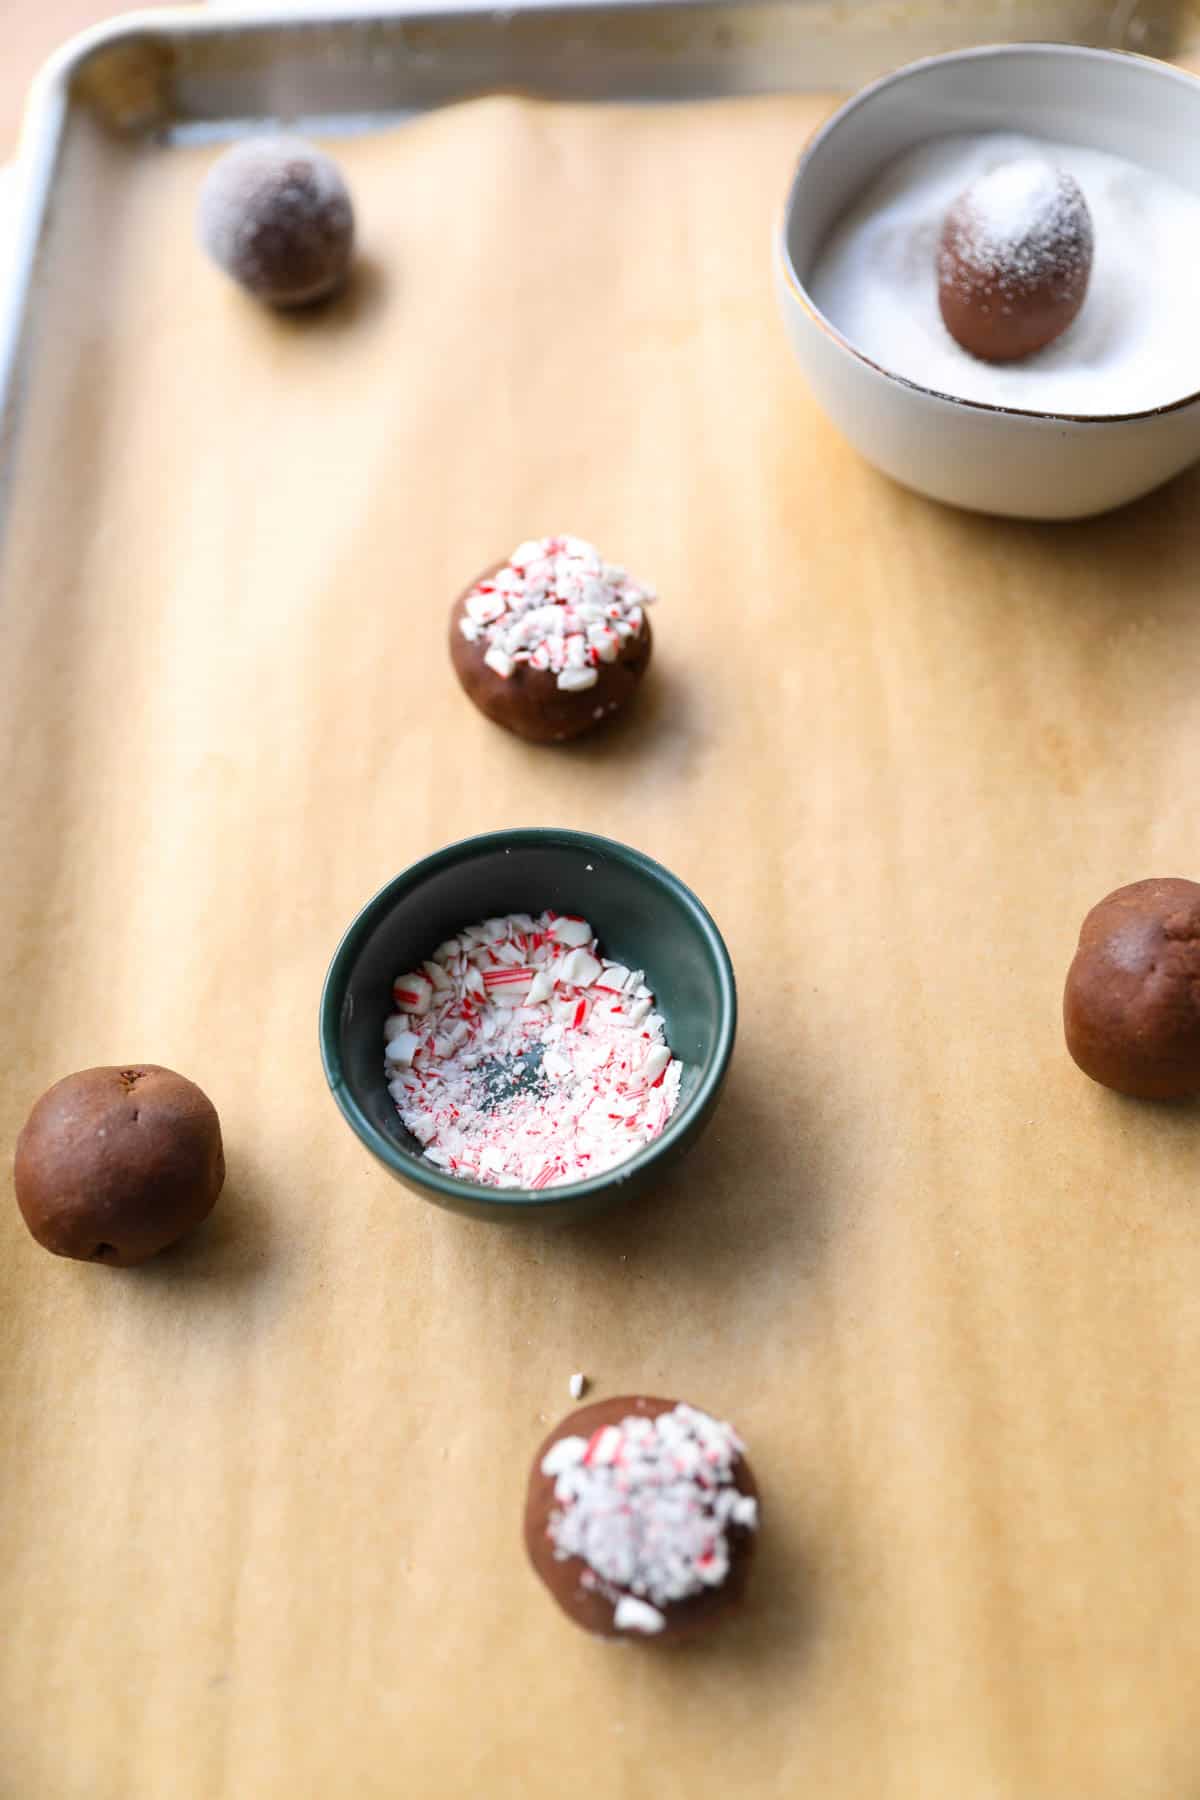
(260, 1501)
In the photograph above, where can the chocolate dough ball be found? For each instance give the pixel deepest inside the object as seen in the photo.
(640, 1518)
(1132, 1004)
(1014, 260)
(113, 1165)
(276, 215)
(507, 655)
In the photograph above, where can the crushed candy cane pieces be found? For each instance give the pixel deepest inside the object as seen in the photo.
(558, 606)
(648, 1505)
(636, 1615)
(518, 1056)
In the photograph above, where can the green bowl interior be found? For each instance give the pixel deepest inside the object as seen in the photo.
(640, 913)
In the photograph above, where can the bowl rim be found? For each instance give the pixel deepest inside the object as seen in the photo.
(452, 1187)
(971, 53)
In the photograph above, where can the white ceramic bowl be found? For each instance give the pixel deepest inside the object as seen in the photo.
(994, 459)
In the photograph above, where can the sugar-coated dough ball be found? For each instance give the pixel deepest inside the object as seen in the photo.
(641, 1517)
(276, 215)
(1014, 260)
(1132, 1004)
(114, 1164)
(553, 642)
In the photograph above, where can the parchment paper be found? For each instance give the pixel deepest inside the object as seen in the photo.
(259, 1514)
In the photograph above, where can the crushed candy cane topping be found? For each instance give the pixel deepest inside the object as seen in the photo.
(636, 1615)
(519, 1056)
(558, 606)
(648, 1505)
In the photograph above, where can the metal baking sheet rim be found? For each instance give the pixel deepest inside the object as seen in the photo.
(51, 96)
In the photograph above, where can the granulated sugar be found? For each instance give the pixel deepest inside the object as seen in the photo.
(1134, 345)
(520, 1057)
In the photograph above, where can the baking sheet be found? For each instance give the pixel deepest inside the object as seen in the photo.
(261, 1502)
(203, 67)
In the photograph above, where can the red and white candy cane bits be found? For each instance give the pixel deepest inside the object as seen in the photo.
(519, 1056)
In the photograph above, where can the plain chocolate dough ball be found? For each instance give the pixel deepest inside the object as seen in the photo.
(1132, 1002)
(593, 1598)
(113, 1165)
(276, 215)
(529, 701)
(1015, 260)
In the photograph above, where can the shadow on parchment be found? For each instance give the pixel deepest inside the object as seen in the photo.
(1173, 1123)
(1132, 549)
(754, 1193)
(661, 721)
(368, 288)
(781, 1617)
(235, 1248)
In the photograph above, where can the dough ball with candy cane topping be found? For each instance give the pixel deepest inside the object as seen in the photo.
(641, 1517)
(552, 642)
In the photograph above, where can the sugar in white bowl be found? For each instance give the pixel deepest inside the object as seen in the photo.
(1136, 341)
(1017, 455)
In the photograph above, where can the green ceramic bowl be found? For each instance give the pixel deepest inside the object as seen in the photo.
(641, 914)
